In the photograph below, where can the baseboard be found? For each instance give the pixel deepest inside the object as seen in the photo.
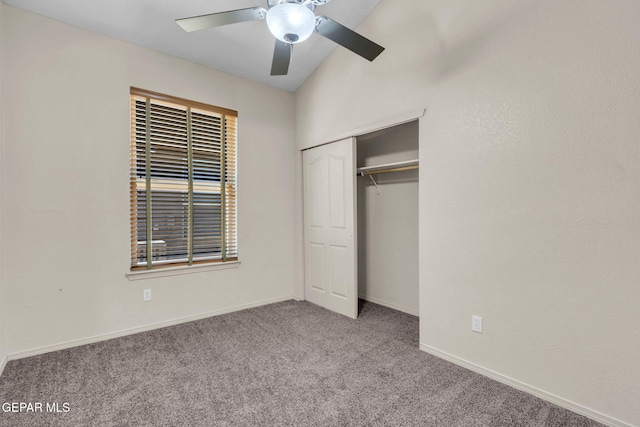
(392, 305)
(556, 400)
(145, 328)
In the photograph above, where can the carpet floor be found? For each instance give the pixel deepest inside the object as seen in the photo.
(285, 364)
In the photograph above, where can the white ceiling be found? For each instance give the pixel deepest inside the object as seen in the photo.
(244, 49)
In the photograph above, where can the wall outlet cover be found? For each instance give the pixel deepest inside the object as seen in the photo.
(476, 324)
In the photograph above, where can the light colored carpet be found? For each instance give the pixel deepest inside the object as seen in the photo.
(290, 363)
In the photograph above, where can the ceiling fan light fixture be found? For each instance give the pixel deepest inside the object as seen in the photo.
(291, 22)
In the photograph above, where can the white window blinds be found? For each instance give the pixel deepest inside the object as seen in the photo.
(183, 182)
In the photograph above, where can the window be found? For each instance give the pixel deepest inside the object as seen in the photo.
(183, 182)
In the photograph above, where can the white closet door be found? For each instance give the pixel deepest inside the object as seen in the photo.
(330, 258)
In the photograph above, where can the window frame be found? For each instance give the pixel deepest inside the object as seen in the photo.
(226, 188)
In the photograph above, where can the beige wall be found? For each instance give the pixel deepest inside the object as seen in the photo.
(3, 298)
(529, 182)
(67, 195)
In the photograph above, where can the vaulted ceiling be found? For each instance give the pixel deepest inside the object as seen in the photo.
(244, 49)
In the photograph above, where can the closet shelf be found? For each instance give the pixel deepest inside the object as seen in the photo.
(388, 167)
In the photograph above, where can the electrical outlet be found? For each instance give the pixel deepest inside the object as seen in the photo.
(476, 324)
(146, 295)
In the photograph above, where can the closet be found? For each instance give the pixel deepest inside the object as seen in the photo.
(387, 217)
(360, 205)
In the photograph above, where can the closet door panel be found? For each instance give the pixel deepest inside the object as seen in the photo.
(317, 206)
(329, 227)
(337, 183)
(339, 271)
(316, 267)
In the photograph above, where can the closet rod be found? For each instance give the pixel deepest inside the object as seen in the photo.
(377, 171)
(388, 167)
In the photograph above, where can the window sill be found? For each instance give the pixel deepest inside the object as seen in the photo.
(183, 269)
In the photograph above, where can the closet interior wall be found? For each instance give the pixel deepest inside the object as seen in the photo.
(388, 220)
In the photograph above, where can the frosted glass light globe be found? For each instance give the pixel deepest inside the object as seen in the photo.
(291, 22)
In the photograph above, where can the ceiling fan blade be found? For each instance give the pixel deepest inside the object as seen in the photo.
(281, 58)
(348, 38)
(202, 22)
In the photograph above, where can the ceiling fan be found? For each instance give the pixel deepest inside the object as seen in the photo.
(290, 22)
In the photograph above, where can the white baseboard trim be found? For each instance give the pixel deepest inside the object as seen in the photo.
(392, 305)
(145, 328)
(557, 400)
(3, 363)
